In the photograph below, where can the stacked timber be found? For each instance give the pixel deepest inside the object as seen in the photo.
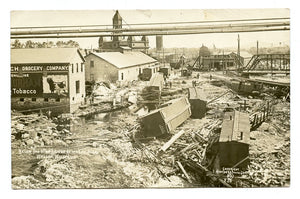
(152, 92)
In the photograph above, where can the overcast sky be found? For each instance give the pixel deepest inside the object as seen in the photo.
(104, 17)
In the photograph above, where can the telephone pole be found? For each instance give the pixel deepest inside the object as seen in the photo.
(238, 53)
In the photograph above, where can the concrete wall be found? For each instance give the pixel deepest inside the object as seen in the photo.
(28, 104)
(102, 70)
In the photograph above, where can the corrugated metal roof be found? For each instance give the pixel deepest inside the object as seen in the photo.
(123, 60)
(233, 124)
(42, 55)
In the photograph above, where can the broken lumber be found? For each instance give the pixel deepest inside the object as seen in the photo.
(184, 172)
(171, 141)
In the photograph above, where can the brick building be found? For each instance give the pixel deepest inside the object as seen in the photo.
(117, 42)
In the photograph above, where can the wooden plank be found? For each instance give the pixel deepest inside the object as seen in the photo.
(171, 141)
(184, 172)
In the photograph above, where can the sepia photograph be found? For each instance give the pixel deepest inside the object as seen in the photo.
(152, 98)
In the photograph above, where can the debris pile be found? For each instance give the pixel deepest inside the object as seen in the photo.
(109, 150)
(37, 130)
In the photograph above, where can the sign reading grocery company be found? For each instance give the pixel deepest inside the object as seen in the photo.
(33, 68)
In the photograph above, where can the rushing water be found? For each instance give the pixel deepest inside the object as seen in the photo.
(24, 162)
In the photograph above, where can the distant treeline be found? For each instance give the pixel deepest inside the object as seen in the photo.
(31, 44)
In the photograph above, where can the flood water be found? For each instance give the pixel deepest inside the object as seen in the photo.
(24, 161)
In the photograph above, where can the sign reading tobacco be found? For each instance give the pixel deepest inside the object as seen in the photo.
(29, 85)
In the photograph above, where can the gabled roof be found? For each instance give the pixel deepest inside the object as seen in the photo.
(123, 60)
(43, 55)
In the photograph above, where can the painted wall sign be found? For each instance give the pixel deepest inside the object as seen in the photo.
(29, 85)
(38, 85)
(35, 68)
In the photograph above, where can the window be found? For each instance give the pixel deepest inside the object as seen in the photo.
(77, 86)
(92, 63)
(81, 67)
(57, 99)
(122, 76)
(140, 71)
(33, 99)
(77, 67)
(46, 99)
(73, 98)
(241, 136)
(21, 99)
(72, 69)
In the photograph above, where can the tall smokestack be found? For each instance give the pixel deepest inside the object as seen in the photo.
(159, 42)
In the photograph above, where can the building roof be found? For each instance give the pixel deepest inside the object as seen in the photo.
(125, 47)
(123, 60)
(245, 54)
(235, 127)
(43, 55)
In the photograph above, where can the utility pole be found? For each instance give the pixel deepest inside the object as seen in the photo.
(199, 61)
(223, 62)
(164, 56)
(238, 53)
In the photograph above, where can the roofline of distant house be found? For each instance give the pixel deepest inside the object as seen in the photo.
(121, 67)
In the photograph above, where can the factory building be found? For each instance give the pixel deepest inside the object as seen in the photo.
(117, 66)
(47, 79)
(118, 42)
(218, 61)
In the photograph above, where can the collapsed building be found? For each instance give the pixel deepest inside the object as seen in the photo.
(164, 120)
(198, 101)
(232, 148)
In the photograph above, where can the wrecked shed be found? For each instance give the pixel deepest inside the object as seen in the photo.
(198, 101)
(164, 120)
(157, 80)
(233, 145)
